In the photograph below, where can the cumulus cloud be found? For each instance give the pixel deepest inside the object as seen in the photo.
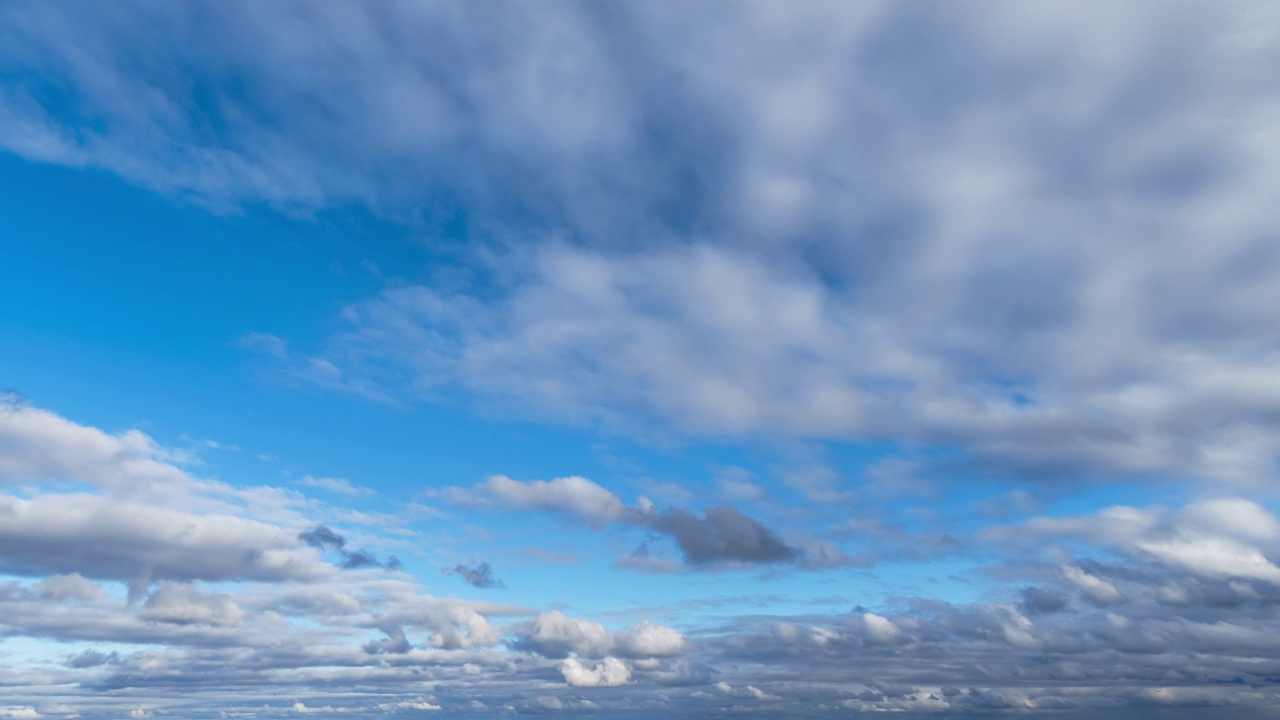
(555, 635)
(611, 672)
(650, 640)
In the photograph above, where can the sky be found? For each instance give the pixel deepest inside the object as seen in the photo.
(639, 360)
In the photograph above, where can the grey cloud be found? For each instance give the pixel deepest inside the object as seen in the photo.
(396, 642)
(681, 673)
(68, 587)
(323, 538)
(722, 534)
(480, 576)
(184, 604)
(556, 635)
(92, 658)
(1039, 600)
(364, 559)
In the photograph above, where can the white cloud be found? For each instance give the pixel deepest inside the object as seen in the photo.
(1213, 557)
(648, 639)
(37, 445)
(881, 630)
(611, 672)
(554, 634)
(761, 695)
(1098, 590)
(419, 704)
(1220, 538)
(575, 496)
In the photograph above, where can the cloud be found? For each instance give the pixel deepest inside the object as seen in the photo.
(92, 658)
(760, 695)
(323, 538)
(1214, 557)
(37, 445)
(1200, 539)
(881, 630)
(1098, 591)
(480, 576)
(649, 640)
(111, 539)
(821, 246)
(418, 704)
(184, 604)
(973, 230)
(611, 672)
(1039, 600)
(575, 497)
(722, 536)
(68, 587)
(395, 642)
(555, 635)
(360, 559)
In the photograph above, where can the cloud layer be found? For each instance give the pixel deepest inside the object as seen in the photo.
(1018, 245)
(998, 244)
(1116, 612)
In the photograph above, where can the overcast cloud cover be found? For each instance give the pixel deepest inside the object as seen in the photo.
(656, 359)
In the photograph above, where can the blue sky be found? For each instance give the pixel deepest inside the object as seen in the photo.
(658, 359)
